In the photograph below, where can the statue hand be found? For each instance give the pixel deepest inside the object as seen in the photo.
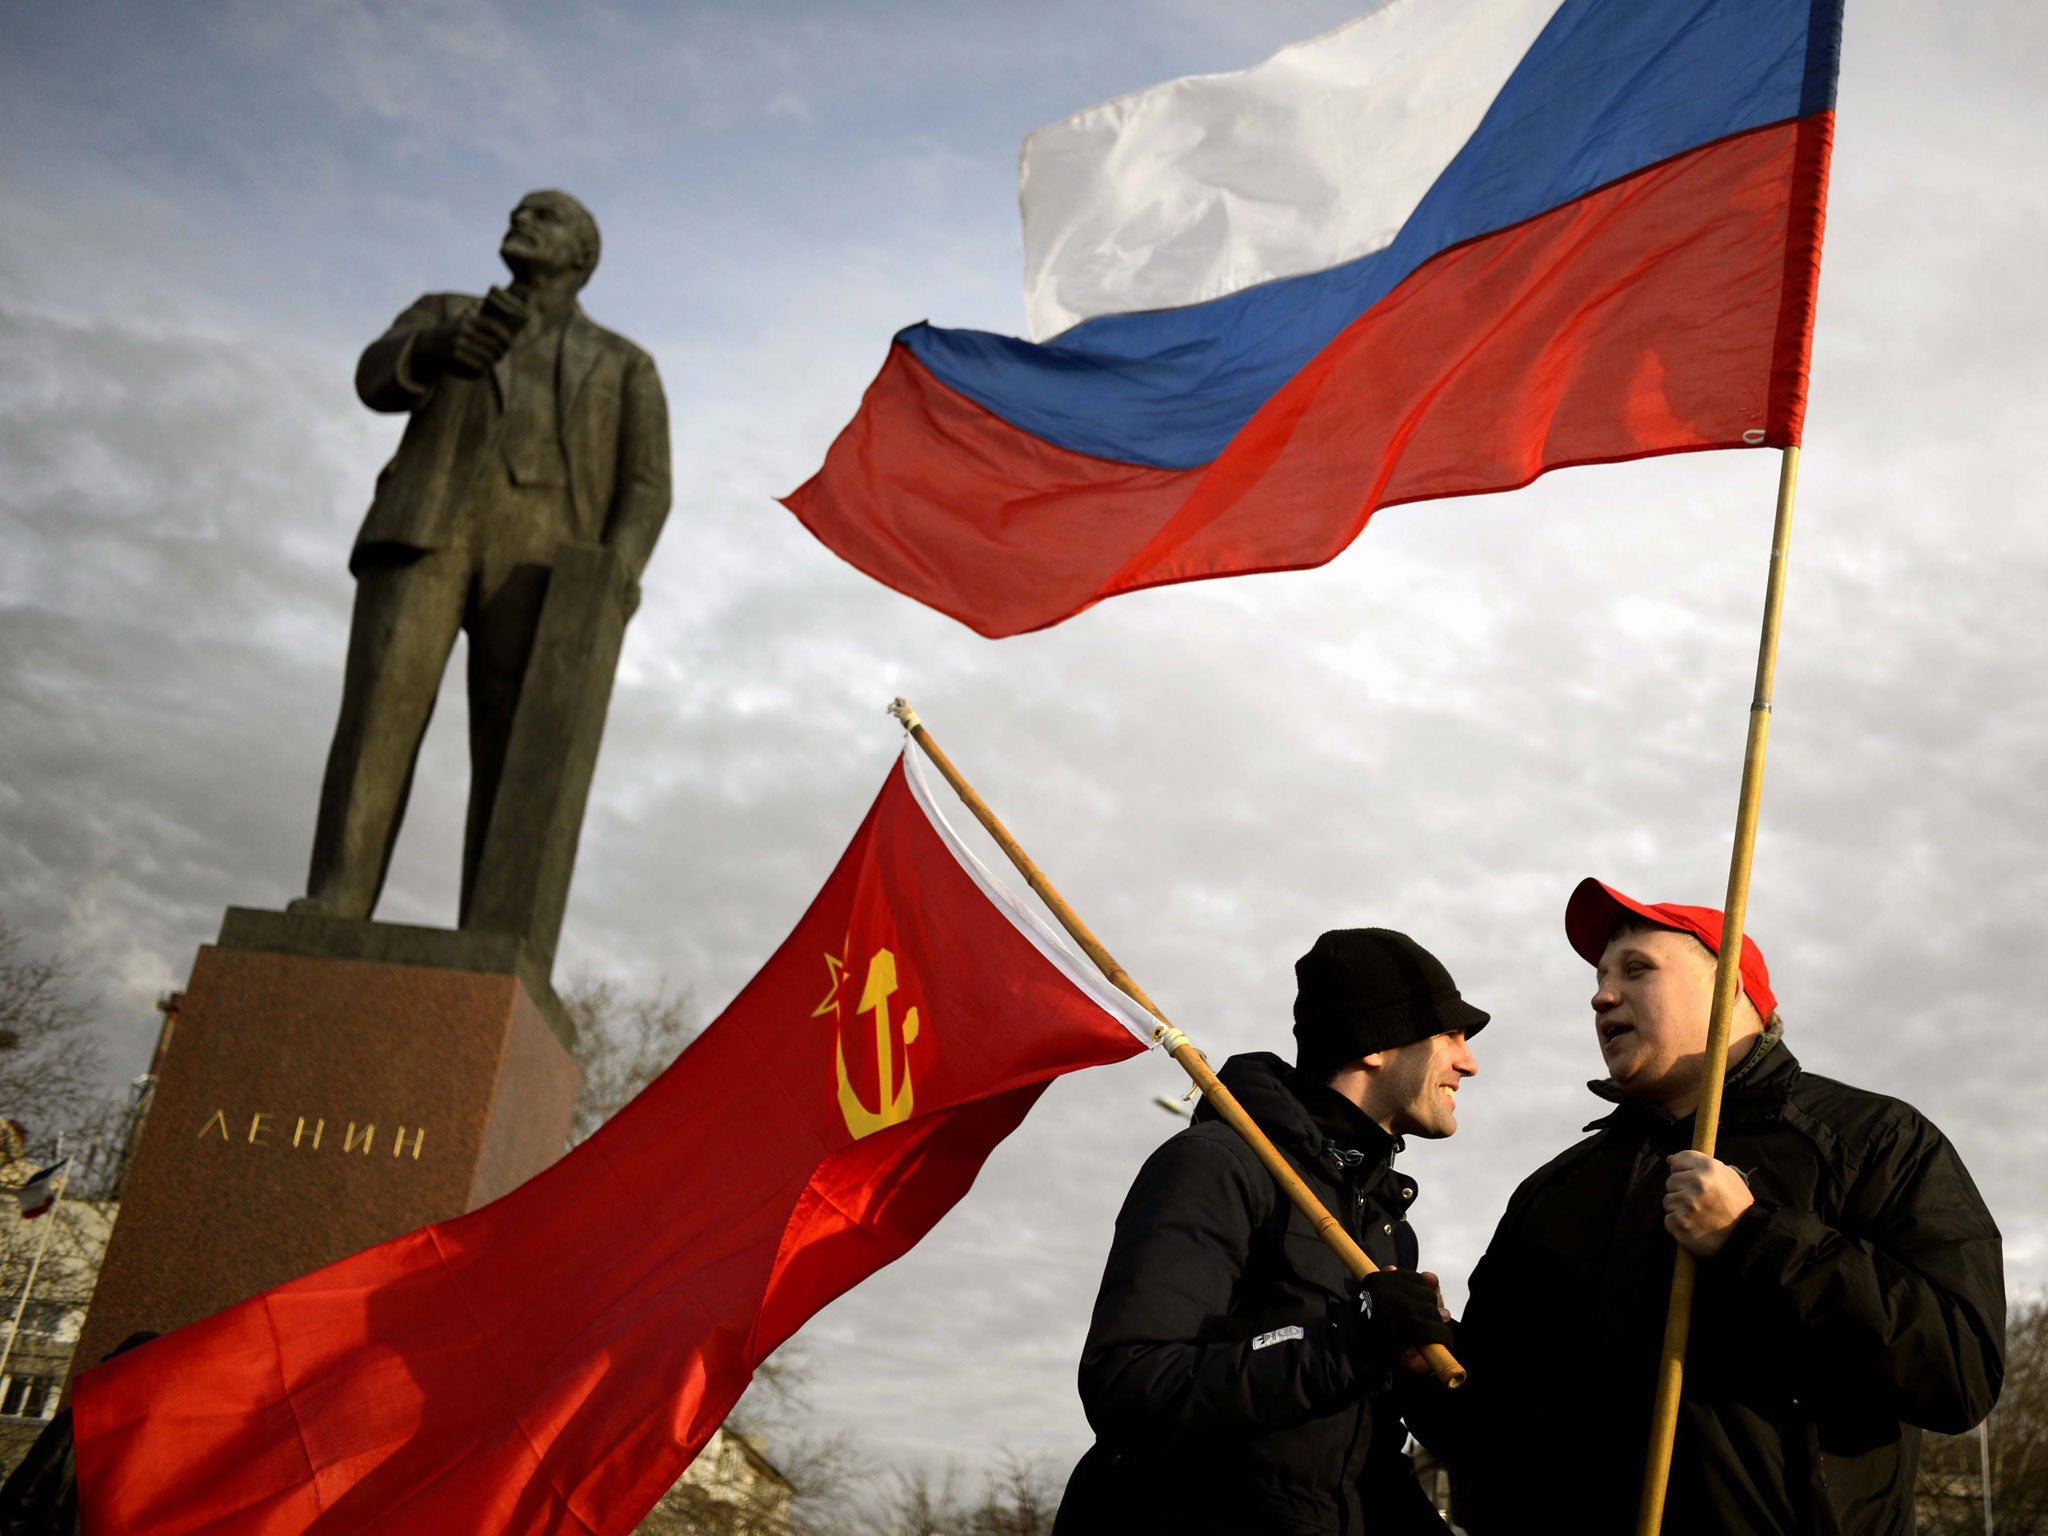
(466, 347)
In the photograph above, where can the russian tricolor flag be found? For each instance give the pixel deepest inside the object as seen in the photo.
(40, 1192)
(1437, 252)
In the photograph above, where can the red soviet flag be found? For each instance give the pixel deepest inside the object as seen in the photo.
(553, 1361)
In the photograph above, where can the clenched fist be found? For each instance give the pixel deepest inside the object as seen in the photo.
(1702, 1199)
(471, 344)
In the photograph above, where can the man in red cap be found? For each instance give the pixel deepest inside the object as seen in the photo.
(1850, 1289)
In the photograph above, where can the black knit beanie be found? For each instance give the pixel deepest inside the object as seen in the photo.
(1360, 990)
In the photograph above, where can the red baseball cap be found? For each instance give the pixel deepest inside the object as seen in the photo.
(1596, 910)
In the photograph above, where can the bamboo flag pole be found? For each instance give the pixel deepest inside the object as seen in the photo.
(1441, 1362)
(1727, 983)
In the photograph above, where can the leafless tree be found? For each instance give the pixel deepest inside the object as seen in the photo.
(50, 1086)
(814, 1493)
(1017, 1499)
(1020, 1499)
(826, 1474)
(1951, 1466)
(623, 1042)
(50, 1063)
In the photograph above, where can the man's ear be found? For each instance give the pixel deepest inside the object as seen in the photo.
(1374, 1061)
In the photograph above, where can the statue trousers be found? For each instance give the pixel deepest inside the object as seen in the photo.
(489, 582)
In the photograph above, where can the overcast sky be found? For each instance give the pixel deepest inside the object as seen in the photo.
(208, 210)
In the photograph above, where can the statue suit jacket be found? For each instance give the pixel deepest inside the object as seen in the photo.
(613, 420)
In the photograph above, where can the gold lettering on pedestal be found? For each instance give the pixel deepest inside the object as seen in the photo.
(309, 1130)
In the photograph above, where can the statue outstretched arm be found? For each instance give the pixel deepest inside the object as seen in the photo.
(440, 334)
(385, 380)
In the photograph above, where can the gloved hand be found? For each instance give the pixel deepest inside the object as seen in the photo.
(1398, 1311)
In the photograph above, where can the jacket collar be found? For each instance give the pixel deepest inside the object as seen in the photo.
(1301, 1115)
(1344, 1125)
(580, 347)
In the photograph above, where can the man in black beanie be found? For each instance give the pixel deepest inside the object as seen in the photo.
(1237, 1378)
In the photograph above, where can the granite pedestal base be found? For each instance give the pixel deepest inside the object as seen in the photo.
(328, 1084)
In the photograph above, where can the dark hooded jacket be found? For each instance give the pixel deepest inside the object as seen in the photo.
(1218, 1373)
(1859, 1300)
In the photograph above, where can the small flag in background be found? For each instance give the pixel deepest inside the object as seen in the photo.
(1436, 252)
(40, 1192)
(552, 1362)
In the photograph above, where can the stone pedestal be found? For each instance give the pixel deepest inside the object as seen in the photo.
(328, 1084)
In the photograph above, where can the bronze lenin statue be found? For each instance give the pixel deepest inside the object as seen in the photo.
(532, 433)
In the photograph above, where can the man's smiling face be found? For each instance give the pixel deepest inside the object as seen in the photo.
(1414, 1090)
(1651, 1009)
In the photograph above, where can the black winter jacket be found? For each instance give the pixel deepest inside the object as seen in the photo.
(1216, 1374)
(1860, 1300)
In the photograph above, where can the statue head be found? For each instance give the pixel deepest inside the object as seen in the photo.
(551, 234)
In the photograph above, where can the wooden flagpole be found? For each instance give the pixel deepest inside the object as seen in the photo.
(1441, 1362)
(1727, 983)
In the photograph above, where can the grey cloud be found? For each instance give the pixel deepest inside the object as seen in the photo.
(460, 71)
(1444, 729)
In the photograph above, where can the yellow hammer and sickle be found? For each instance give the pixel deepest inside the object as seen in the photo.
(895, 1107)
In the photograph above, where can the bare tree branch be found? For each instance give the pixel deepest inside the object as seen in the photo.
(50, 1063)
(623, 1042)
(1951, 1493)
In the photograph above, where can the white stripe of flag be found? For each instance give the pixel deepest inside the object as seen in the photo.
(1206, 185)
